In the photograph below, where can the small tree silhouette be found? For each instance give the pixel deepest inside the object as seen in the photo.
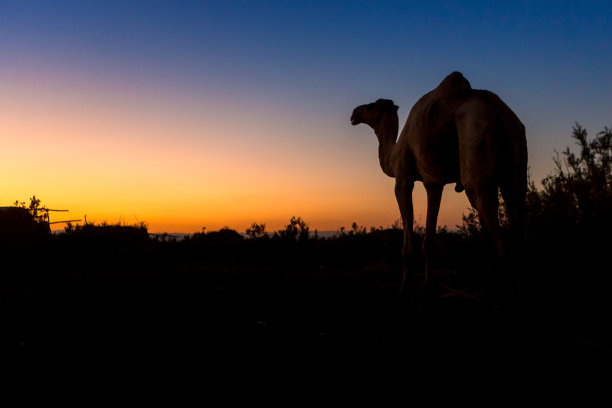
(356, 229)
(579, 191)
(256, 230)
(39, 213)
(296, 229)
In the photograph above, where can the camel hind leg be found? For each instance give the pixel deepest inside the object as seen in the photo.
(515, 206)
(504, 275)
(485, 201)
(479, 162)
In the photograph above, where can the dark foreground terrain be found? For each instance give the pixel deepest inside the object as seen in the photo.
(240, 309)
(293, 308)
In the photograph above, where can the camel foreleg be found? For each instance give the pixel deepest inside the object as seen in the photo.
(403, 193)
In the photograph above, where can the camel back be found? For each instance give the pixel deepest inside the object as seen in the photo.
(431, 131)
(453, 82)
(434, 112)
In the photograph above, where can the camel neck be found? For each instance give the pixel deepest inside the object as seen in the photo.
(387, 135)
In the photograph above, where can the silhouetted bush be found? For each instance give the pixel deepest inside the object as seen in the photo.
(225, 245)
(109, 236)
(296, 229)
(569, 226)
(257, 230)
(96, 247)
(577, 197)
(24, 242)
(20, 229)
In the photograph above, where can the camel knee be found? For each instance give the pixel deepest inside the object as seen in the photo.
(428, 248)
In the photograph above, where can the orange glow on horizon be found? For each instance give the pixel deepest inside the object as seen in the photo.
(181, 168)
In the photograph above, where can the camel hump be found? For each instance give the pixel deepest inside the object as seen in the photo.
(453, 81)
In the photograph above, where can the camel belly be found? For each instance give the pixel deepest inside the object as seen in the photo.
(438, 169)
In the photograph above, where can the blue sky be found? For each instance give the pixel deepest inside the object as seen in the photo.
(283, 77)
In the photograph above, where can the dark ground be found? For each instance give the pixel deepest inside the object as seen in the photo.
(216, 310)
(234, 322)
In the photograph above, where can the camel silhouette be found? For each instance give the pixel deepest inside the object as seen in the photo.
(453, 134)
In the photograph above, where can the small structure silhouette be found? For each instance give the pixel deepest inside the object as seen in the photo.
(453, 134)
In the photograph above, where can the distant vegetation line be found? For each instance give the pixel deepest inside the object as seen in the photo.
(575, 196)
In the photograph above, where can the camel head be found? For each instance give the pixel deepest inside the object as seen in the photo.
(373, 113)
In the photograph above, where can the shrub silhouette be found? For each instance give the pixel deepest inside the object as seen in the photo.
(21, 226)
(297, 229)
(91, 246)
(579, 192)
(38, 212)
(256, 230)
(24, 242)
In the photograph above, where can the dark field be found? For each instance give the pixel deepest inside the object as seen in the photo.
(226, 306)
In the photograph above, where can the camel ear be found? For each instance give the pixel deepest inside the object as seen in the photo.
(386, 104)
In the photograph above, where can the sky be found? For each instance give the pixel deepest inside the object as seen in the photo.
(185, 115)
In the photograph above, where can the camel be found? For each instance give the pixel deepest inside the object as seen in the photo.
(453, 134)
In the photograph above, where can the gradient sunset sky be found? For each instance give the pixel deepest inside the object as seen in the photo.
(208, 114)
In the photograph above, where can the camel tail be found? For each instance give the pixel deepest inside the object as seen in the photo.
(515, 193)
(520, 152)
